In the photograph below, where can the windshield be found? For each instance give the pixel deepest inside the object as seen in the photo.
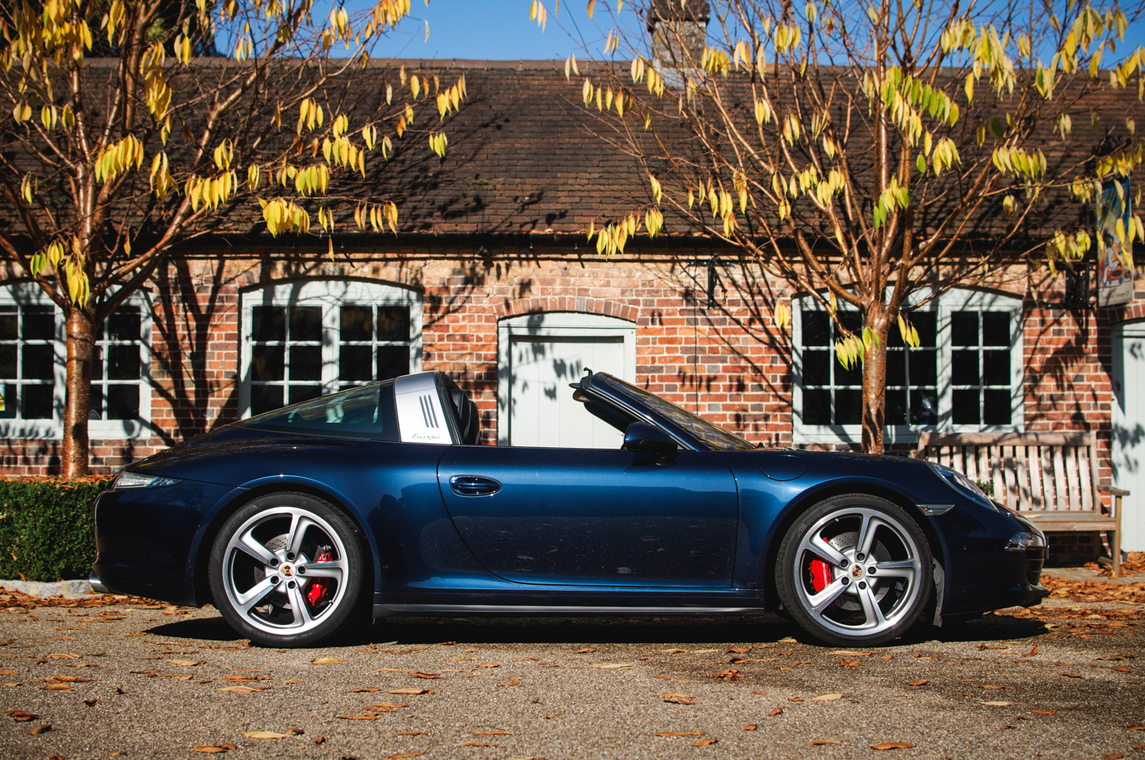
(710, 435)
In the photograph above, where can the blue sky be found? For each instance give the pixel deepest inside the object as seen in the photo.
(501, 30)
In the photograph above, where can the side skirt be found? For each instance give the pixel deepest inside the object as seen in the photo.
(523, 610)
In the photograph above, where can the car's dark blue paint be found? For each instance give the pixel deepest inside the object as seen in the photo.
(474, 526)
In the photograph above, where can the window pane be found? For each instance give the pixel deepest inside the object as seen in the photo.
(926, 323)
(97, 363)
(122, 402)
(964, 368)
(964, 328)
(996, 407)
(306, 363)
(124, 364)
(8, 402)
(995, 328)
(996, 367)
(123, 325)
(852, 320)
(268, 363)
(844, 376)
(8, 361)
(306, 323)
(816, 367)
(9, 324)
(268, 323)
(393, 323)
(37, 402)
(896, 407)
(816, 407)
(37, 362)
(392, 361)
(896, 367)
(39, 323)
(95, 403)
(304, 392)
(848, 407)
(263, 398)
(923, 367)
(356, 323)
(816, 328)
(923, 407)
(355, 363)
(965, 407)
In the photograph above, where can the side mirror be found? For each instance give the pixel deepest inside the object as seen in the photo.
(640, 436)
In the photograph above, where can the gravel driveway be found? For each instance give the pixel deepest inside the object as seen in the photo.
(146, 680)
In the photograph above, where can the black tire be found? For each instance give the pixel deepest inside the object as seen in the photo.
(873, 579)
(287, 570)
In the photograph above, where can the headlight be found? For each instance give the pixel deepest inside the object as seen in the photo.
(128, 480)
(1019, 542)
(966, 486)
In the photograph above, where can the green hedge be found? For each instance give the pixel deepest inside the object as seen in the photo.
(46, 527)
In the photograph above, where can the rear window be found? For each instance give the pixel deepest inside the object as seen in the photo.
(365, 412)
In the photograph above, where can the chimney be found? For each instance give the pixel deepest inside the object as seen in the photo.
(679, 30)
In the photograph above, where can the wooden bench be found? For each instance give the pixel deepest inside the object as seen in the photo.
(1050, 478)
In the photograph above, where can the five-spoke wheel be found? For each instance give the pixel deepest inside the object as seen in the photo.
(854, 570)
(286, 570)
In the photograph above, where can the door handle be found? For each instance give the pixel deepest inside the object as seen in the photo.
(473, 485)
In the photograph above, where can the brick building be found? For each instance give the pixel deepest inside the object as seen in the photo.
(491, 280)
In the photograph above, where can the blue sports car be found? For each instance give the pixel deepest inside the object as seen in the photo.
(377, 500)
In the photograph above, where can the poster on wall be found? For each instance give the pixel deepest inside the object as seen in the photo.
(1114, 251)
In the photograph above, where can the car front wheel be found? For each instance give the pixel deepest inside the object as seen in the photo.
(286, 570)
(854, 571)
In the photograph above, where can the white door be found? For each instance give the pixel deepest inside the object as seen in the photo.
(1128, 449)
(538, 356)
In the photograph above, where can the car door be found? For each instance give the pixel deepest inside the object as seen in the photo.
(594, 517)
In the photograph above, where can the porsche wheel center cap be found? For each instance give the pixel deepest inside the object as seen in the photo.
(286, 570)
(856, 571)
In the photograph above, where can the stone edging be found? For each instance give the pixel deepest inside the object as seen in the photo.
(68, 589)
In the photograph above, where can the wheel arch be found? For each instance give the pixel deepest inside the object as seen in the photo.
(810, 498)
(201, 572)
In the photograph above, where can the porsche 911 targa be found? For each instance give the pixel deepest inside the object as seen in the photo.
(379, 500)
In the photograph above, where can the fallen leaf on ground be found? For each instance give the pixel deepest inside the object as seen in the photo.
(325, 661)
(498, 732)
(493, 665)
(821, 742)
(263, 735)
(212, 749)
(476, 744)
(586, 650)
(56, 687)
(849, 663)
(43, 728)
(243, 689)
(917, 683)
(367, 716)
(827, 697)
(776, 711)
(728, 675)
(1043, 712)
(187, 663)
(70, 679)
(998, 704)
(1072, 675)
(412, 733)
(706, 742)
(892, 745)
(402, 755)
(1127, 728)
(410, 691)
(795, 699)
(678, 699)
(679, 733)
(363, 691)
(385, 707)
(751, 727)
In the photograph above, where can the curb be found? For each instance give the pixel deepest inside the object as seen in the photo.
(67, 589)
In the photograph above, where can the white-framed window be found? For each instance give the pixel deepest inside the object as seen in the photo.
(302, 340)
(965, 376)
(33, 357)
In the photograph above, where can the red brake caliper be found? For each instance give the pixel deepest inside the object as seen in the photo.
(820, 574)
(318, 589)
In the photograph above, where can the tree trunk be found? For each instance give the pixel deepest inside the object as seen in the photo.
(875, 382)
(80, 343)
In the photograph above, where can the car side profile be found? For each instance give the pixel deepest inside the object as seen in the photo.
(378, 500)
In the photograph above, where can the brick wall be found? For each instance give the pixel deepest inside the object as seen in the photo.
(724, 359)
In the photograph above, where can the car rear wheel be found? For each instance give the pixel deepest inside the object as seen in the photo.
(286, 570)
(854, 571)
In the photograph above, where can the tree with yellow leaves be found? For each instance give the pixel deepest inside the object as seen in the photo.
(129, 133)
(871, 154)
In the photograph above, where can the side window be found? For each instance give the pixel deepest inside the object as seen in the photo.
(305, 340)
(965, 376)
